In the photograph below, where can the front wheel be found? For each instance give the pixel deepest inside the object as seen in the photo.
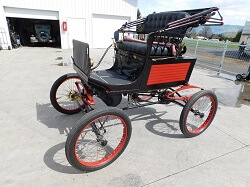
(98, 139)
(198, 113)
(64, 94)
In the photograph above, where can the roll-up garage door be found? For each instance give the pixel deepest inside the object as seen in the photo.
(31, 13)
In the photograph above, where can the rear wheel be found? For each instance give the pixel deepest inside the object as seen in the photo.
(98, 139)
(64, 94)
(198, 113)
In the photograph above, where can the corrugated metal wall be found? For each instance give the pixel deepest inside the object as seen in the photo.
(79, 9)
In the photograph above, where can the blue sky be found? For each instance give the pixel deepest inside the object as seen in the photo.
(234, 12)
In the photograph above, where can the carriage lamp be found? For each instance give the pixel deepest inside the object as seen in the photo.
(91, 62)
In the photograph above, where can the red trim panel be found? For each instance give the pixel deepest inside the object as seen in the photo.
(164, 73)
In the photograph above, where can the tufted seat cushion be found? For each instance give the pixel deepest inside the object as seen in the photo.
(141, 48)
(158, 21)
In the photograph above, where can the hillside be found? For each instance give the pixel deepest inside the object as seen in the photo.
(222, 29)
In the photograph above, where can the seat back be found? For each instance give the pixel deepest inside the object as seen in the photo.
(157, 21)
(81, 59)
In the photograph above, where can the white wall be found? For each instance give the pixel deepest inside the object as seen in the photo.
(79, 9)
(103, 28)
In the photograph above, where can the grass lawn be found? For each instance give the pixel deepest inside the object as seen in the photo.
(207, 43)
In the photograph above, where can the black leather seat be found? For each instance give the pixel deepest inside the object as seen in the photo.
(141, 48)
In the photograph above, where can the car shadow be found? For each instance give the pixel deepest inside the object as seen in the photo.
(56, 160)
(165, 128)
(48, 116)
(55, 157)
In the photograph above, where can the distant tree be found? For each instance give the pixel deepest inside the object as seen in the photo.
(224, 38)
(138, 14)
(139, 27)
(206, 32)
(216, 36)
(237, 37)
(191, 33)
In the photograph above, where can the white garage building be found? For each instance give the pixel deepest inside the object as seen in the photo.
(91, 21)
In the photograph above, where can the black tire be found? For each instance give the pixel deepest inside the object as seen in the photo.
(43, 36)
(55, 89)
(239, 77)
(90, 138)
(201, 121)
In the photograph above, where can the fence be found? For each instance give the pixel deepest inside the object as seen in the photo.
(225, 57)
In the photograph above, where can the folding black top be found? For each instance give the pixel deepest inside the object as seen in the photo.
(175, 23)
(195, 11)
(158, 21)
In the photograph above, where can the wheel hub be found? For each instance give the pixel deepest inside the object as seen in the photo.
(74, 96)
(101, 138)
(198, 113)
(104, 142)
